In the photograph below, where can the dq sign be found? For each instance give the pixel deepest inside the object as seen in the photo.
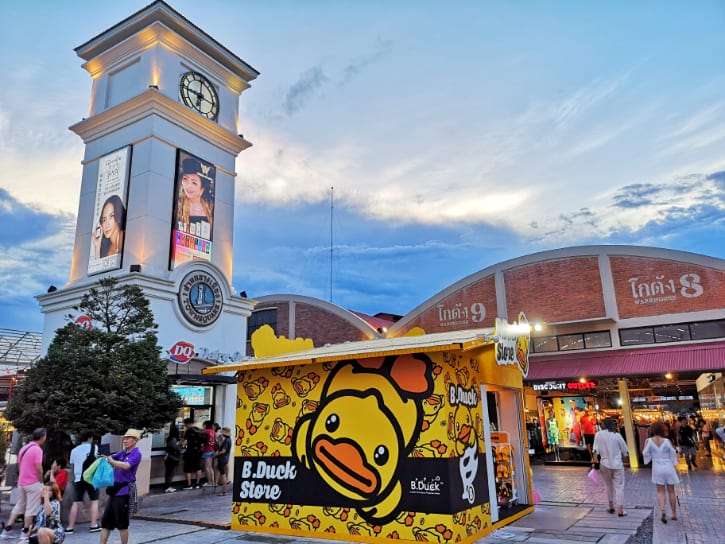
(182, 352)
(84, 321)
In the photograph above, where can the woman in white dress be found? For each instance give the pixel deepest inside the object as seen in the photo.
(661, 453)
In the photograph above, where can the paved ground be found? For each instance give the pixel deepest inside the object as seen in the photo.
(571, 510)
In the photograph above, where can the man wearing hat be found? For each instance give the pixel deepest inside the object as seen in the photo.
(222, 455)
(123, 500)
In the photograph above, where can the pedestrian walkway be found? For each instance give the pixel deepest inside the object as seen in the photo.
(572, 509)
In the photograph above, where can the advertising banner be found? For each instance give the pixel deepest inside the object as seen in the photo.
(193, 216)
(109, 212)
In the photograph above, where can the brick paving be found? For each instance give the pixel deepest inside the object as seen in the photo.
(701, 510)
(572, 510)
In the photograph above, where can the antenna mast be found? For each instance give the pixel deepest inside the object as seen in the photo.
(332, 190)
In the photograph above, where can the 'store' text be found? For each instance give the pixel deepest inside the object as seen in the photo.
(261, 470)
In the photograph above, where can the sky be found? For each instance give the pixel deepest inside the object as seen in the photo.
(456, 135)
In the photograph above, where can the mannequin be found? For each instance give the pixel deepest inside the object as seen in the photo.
(552, 434)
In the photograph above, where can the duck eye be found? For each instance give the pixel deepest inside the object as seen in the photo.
(332, 423)
(381, 455)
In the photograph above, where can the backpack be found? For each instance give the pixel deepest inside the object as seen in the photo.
(89, 458)
(194, 440)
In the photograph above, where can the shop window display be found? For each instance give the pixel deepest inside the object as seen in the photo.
(563, 429)
(506, 491)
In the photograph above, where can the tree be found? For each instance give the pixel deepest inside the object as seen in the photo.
(106, 378)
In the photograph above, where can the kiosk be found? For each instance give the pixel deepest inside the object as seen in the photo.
(389, 439)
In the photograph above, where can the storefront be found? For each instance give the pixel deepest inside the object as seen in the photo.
(203, 398)
(636, 386)
(417, 438)
(560, 406)
(711, 394)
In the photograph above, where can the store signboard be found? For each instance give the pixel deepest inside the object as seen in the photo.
(512, 343)
(193, 396)
(564, 386)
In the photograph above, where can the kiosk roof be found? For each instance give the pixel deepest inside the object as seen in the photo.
(462, 340)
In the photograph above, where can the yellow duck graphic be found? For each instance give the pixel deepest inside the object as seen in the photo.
(368, 420)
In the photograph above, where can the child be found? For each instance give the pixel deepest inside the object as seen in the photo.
(50, 528)
(57, 474)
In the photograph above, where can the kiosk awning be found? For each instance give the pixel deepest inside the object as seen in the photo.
(629, 362)
(443, 341)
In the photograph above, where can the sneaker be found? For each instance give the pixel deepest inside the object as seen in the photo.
(24, 537)
(197, 486)
(189, 487)
(94, 529)
(69, 531)
(6, 534)
(205, 484)
(170, 490)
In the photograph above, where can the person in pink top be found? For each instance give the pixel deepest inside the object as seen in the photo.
(30, 485)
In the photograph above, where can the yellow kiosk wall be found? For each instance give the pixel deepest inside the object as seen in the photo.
(366, 450)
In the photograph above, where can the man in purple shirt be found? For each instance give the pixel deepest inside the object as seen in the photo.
(123, 499)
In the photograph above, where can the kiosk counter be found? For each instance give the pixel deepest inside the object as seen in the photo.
(387, 439)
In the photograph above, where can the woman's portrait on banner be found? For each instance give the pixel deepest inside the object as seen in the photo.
(193, 222)
(195, 204)
(108, 228)
(107, 237)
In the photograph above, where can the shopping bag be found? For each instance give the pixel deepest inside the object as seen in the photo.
(91, 470)
(537, 497)
(103, 477)
(593, 476)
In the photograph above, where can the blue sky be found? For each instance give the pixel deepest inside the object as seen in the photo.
(456, 135)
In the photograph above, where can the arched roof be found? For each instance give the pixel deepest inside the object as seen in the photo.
(600, 252)
(355, 319)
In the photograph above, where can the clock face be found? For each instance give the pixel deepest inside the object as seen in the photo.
(199, 94)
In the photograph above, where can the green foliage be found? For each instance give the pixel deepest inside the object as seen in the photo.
(109, 378)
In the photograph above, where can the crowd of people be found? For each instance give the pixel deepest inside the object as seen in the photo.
(40, 491)
(661, 449)
(204, 451)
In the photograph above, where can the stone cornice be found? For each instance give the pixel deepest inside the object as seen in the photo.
(158, 33)
(160, 11)
(152, 102)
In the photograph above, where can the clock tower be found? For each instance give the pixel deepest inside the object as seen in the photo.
(157, 191)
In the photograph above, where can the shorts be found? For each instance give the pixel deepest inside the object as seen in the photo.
(223, 467)
(28, 502)
(82, 487)
(192, 464)
(115, 516)
(589, 439)
(207, 454)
